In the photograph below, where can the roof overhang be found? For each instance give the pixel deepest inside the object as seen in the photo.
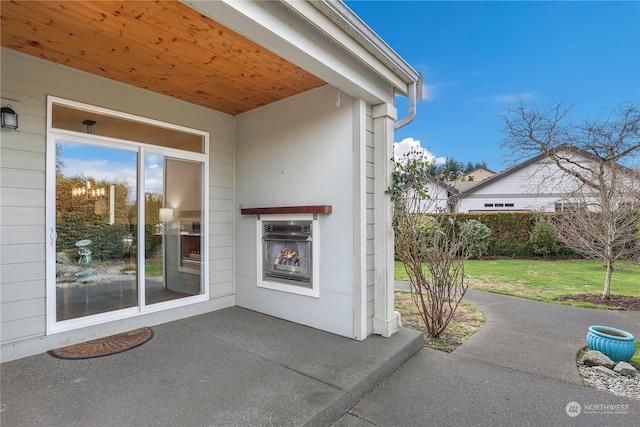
(316, 36)
(230, 56)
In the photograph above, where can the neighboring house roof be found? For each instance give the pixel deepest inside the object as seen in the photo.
(471, 179)
(528, 162)
(479, 174)
(462, 186)
(503, 174)
(445, 185)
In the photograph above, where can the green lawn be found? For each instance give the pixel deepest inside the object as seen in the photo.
(544, 280)
(547, 280)
(153, 267)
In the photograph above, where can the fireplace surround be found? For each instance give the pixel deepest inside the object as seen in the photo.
(288, 253)
(288, 248)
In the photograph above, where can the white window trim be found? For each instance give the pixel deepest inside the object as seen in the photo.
(52, 134)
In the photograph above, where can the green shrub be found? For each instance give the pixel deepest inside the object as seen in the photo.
(476, 237)
(542, 238)
(510, 232)
(427, 226)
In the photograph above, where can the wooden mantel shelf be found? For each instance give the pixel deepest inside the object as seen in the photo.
(319, 209)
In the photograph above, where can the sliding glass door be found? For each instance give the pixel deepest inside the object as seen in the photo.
(128, 231)
(173, 255)
(96, 229)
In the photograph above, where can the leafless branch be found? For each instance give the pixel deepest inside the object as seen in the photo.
(605, 193)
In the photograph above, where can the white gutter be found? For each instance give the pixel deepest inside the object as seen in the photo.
(345, 18)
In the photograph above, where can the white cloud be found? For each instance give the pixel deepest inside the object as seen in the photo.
(428, 92)
(409, 144)
(113, 166)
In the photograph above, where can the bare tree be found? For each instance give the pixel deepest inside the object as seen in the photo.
(430, 246)
(603, 195)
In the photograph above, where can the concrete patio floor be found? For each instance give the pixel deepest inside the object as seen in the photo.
(235, 367)
(232, 367)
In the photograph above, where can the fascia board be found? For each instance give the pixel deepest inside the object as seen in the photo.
(313, 15)
(275, 28)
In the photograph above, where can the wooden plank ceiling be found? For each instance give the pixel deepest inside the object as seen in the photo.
(162, 46)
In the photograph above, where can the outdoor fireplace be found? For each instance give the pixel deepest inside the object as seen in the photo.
(287, 252)
(288, 247)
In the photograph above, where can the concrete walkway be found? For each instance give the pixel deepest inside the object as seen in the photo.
(235, 367)
(518, 369)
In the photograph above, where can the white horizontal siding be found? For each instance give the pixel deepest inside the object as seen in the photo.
(13, 310)
(22, 329)
(27, 81)
(26, 160)
(26, 197)
(23, 253)
(22, 290)
(21, 215)
(21, 178)
(370, 227)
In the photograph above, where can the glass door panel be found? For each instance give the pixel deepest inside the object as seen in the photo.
(96, 227)
(155, 219)
(173, 215)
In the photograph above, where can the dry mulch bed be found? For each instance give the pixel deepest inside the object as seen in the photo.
(615, 302)
(465, 322)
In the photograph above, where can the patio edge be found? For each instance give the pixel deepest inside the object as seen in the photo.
(412, 342)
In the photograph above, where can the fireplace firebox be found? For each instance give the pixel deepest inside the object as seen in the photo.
(287, 252)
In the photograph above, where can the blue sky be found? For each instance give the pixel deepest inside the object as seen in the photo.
(111, 165)
(477, 57)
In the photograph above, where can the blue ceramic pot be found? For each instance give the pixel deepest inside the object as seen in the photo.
(617, 344)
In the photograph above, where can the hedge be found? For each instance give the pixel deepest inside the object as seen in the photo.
(106, 240)
(511, 233)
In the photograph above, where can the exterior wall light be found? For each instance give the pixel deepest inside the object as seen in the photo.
(9, 118)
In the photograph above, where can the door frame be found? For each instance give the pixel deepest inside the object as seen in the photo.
(54, 134)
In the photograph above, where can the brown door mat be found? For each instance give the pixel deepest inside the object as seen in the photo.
(104, 346)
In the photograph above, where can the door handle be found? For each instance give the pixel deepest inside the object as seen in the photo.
(52, 236)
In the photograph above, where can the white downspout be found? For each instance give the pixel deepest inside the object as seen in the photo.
(412, 107)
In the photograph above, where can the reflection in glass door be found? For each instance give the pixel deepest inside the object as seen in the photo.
(126, 206)
(173, 213)
(96, 228)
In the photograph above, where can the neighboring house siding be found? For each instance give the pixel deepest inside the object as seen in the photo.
(29, 80)
(438, 199)
(479, 175)
(535, 187)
